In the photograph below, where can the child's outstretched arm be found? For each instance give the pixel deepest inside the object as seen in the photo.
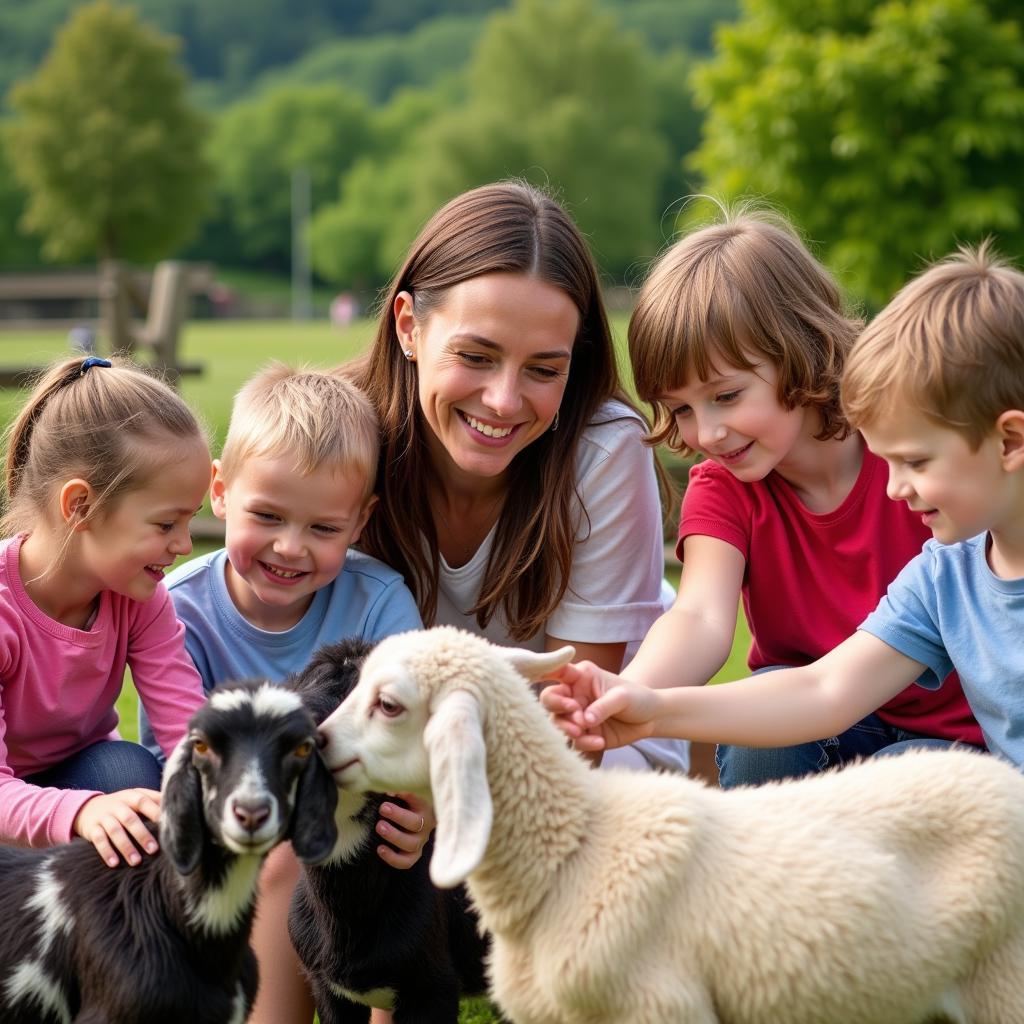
(112, 823)
(690, 642)
(781, 708)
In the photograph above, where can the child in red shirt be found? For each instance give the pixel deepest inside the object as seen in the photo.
(738, 340)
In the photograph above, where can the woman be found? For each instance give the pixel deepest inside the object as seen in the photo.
(515, 495)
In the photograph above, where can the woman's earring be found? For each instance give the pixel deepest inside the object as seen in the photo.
(408, 354)
(554, 422)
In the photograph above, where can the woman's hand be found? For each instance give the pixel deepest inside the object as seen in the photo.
(112, 823)
(408, 829)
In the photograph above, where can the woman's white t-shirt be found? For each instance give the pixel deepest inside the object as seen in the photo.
(615, 583)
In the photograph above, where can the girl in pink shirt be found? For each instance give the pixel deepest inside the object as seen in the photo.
(738, 339)
(105, 467)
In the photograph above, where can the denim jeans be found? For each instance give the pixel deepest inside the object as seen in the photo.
(750, 766)
(106, 766)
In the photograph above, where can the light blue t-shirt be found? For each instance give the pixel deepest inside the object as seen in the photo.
(948, 610)
(367, 599)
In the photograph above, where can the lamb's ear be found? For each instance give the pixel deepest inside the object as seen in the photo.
(182, 824)
(313, 830)
(454, 740)
(536, 666)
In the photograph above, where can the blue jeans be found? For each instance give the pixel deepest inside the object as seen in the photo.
(107, 766)
(750, 766)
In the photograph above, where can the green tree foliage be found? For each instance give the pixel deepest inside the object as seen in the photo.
(17, 247)
(105, 143)
(890, 131)
(260, 142)
(378, 66)
(556, 93)
(358, 242)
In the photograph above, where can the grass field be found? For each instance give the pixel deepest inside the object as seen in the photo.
(231, 351)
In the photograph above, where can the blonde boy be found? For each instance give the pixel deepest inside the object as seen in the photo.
(294, 486)
(936, 386)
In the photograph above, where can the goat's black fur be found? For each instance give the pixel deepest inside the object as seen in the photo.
(361, 926)
(86, 943)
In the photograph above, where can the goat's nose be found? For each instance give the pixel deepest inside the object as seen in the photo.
(250, 814)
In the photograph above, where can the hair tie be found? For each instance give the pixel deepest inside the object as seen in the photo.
(88, 364)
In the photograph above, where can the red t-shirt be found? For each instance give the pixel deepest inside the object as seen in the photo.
(811, 580)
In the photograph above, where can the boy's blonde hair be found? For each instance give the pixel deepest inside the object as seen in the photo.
(316, 417)
(737, 292)
(951, 342)
(114, 426)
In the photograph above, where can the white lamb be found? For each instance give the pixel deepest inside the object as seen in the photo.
(892, 891)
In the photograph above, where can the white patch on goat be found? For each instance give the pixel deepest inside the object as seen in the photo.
(46, 901)
(379, 998)
(30, 982)
(238, 1013)
(230, 700)
(273, 700)
(219, 910)
(174, 762)
(352, 834)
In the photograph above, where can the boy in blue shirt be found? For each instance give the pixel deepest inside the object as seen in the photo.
(936, 386)
(294, 486)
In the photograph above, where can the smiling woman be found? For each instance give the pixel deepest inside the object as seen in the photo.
(516, 496)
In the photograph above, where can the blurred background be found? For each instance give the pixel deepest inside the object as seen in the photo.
(296, 146)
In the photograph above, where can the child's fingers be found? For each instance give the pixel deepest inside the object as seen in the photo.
(590, 743)
(136, 828)
(558, 700)
(123, 842)
(99, 839)
(147, 803)
(612, 703)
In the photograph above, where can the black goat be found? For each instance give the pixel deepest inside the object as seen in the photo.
(367, 934)
(167, 941)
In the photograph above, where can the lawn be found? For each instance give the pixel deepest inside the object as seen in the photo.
(231, 351)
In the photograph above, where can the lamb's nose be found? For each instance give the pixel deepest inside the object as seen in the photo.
(251, 814)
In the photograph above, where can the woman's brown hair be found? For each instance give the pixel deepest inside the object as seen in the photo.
(512, 228)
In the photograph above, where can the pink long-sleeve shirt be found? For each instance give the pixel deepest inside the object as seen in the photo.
(58, 686)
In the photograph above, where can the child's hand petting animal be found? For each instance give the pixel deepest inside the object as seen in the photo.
(597, 709)
(414, 822)
(112, 823)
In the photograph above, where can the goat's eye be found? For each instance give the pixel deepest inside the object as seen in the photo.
(200, 747)
(304, 749)
(389, 707)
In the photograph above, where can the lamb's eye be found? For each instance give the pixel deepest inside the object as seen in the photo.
(200, 747)
(304, 749)
(389, 707)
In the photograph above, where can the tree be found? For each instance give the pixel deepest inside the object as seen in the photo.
(556, 93)
(890, 131)
(17, 248)
(105, 143)
(259, 143)
(563, 97)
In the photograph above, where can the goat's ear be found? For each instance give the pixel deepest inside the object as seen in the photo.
(313, 829)
(182, 825)
(454, 739)
(534, 665)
